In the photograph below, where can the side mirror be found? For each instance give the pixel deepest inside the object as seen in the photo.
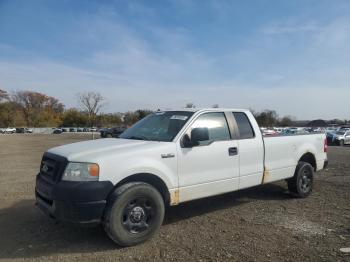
(197, 135)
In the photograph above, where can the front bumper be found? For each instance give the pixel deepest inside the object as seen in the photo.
(74, 202)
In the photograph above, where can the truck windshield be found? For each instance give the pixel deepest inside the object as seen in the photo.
(159, 126)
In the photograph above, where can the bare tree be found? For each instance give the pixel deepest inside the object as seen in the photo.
(92, 103)
(190, 105)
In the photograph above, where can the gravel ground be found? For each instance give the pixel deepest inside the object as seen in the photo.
(259, 224)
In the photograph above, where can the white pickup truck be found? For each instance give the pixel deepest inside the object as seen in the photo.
(167, 158)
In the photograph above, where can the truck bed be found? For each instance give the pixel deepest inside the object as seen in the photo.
(282, 153)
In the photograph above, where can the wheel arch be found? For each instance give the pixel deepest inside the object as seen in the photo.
(148, 178)
(310, 158)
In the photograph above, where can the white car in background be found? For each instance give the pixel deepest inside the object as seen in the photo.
(10, 130)
(269, 132)
(279, 129)
(341, 137)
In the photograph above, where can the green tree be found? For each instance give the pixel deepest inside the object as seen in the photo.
(143, 112)
(267, 118)
(38, 109)
(286, 121)
(6, 114)
(130, 118)
(109, 120)
(74, 118)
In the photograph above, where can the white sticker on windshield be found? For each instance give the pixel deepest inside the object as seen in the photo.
(179, 117)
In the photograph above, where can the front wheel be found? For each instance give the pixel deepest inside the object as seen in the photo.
(302, 182)
(134, 213)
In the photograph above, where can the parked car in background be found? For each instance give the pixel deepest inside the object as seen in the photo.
(330, 129)
(318, 129)
(294, 131)
(57, 131)
(10, 130)
(268, 132)
(112, 132)
(24, 130)
(72, 129)
(279, 129)
(93, 129)
(80, 129)
(341, 137)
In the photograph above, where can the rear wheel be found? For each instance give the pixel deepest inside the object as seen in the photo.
(301, 183)
(134, 213)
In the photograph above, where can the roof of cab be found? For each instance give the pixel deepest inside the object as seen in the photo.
(208, 109)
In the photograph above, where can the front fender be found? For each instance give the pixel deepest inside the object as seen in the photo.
(118, 167)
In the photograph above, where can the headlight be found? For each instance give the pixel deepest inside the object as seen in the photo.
(81, 172)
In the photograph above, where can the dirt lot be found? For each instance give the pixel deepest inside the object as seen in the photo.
(259, 224)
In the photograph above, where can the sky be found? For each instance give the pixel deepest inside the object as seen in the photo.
(292, 56)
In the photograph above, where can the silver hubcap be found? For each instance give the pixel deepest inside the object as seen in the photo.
(137, 214)
(305, 181)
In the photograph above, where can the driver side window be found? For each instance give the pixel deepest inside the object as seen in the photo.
(217, 127)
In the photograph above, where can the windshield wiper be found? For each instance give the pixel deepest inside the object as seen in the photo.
(138, 137)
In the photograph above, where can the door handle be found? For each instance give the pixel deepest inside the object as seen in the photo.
(232, 151)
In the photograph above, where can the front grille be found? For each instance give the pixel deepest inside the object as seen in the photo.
(52, 167)
(48, 167)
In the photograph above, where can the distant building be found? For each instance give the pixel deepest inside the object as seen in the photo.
(317, 123)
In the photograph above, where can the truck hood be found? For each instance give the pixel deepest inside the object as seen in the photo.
(93, 149)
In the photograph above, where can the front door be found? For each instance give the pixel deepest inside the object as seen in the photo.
(212, 167)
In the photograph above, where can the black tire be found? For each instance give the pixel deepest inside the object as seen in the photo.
(341, 142)
(301, 183)
(134, 213)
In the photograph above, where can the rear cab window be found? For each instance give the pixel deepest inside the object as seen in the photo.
(245, 128)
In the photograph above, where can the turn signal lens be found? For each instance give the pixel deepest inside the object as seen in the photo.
(93, 170)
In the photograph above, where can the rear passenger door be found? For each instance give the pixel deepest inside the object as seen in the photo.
(251, 152)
